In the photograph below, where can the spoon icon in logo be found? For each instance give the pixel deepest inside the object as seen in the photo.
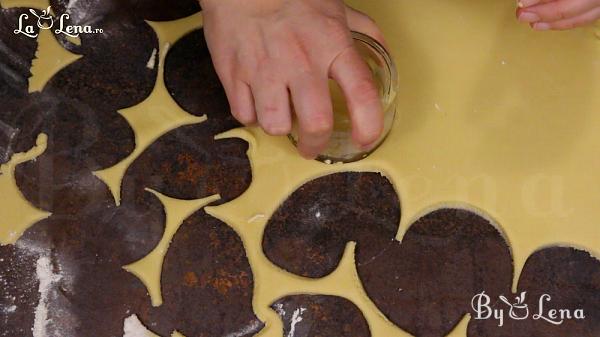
(45, 20)
(519, 310)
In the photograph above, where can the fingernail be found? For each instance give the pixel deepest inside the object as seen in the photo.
(528, 17)
(528, 3)
(541, 26)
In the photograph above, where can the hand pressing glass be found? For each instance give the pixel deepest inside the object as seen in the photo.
(558, 14)
(272, 54)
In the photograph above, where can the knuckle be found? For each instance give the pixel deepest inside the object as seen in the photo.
(318, 127)
(263, 64)
(562, 13)
(276, 129)
(300, 60)
(273, 120)
(266, 75)
(365, 90)
(293, 52)
(246, 119)
(248, 56)
(337, 30)
(371, 135)
(243, 114)
(267, 78)
(270, 110)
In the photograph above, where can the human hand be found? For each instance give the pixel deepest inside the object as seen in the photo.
(558, 14)
(269, 53)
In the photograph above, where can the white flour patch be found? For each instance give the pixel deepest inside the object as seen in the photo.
(296, 318)
(77, 15)
(166, 50)
(30, 248)
(279, 309)
(71, 5)
(132, 327)
(152, 61)
(256, 217)
(46, 278)
(252, 328)
(9, 309)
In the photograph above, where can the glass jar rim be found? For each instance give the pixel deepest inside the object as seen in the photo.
(392, 84)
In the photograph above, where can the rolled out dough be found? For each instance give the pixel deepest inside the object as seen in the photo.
(490, 115)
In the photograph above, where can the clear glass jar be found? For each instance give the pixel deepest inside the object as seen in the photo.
(341, 148)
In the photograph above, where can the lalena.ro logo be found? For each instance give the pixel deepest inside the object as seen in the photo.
(519, 310)
(46, 21)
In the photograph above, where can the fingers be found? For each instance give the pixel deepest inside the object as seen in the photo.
(577, 21)
(353, 75)
(239, 95)
(360, 22)
(272, 105)
(241, 102)
(555, 10)
(314, 112)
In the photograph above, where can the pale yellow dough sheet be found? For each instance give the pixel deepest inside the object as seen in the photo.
(491, 115)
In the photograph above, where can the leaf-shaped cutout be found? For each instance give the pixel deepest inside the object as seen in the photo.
(309, 231)
(101, 233)
(97, 138)
(571, 277)
(85, 287)
(47, 187)
(61, 181)
(188, 163)
(446, 257)
(207, 283)
(113, 72)
(201, 94)
(83, 99)
(320, 315)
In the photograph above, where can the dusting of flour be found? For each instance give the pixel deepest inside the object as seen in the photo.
(46, 278)
(296, 318)
(132, 327)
